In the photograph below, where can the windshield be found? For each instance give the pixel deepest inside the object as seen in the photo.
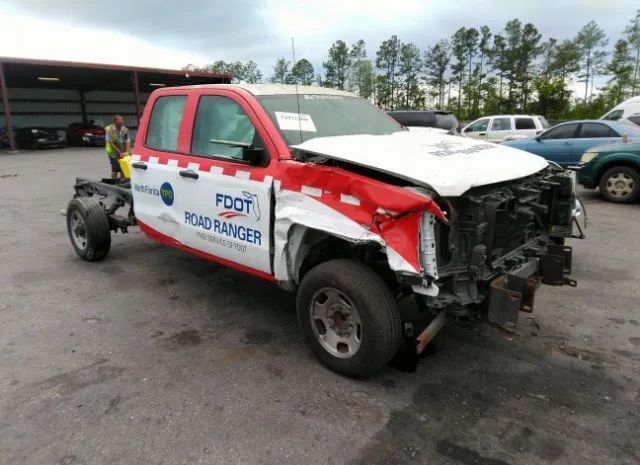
(325, 115)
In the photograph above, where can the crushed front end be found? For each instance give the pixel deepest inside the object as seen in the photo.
(500, 243)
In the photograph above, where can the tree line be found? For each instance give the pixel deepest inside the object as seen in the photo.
(477, 71)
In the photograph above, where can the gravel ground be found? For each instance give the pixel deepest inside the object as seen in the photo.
(156, 357)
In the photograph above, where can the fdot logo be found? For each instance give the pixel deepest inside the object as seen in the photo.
(239, 206)
(166, 194)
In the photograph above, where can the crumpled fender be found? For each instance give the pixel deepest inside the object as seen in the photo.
(351, 207)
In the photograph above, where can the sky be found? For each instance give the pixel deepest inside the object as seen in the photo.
(148, 33)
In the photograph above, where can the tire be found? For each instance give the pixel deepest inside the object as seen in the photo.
(620, 184)
(360, 313)
(88, 228)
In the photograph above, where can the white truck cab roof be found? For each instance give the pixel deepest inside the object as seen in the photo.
(623, 110)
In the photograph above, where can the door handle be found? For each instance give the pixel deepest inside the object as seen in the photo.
(188, 174)
(482, 133)
(138, 165)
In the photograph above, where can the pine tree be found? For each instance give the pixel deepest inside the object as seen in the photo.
(621, 67)
(409, 69)
(337, 66)
(302, 73)
(387, 58)
(590, 39)
(436, 63)
(280, 71)
(632, 33)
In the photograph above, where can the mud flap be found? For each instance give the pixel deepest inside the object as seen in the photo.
(510, 294)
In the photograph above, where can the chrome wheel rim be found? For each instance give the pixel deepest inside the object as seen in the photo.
(620, 185)
(78, 230)
(336, 322)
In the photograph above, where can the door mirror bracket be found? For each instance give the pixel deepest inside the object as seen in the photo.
(254, 155)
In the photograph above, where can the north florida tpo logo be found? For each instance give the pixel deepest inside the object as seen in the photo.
(234, 207)
(166, 194)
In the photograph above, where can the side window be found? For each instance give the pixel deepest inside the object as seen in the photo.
(543, 122)
(223, 120)
(614, 115)
(566, 131)
(525, 123)
(501, 124)
(594, 130)
(164, 124)
(480, 125)
(635, 119)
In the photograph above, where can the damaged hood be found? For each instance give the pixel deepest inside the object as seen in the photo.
(450, 165)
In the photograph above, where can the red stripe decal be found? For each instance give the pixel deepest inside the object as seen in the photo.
(170, 241)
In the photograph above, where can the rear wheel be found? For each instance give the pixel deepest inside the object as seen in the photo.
(88, 228)
(620, 184)
(349, 317)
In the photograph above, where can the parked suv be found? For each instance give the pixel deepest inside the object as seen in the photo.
(320, 192)
(506, 127)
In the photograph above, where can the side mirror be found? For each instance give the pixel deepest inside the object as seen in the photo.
(537, 138)
(254, 155)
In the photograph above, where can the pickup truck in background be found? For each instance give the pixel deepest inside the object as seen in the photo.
(322, 193)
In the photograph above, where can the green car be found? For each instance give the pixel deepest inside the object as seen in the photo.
(615, 169)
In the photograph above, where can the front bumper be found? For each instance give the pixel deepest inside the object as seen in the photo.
(512, 293)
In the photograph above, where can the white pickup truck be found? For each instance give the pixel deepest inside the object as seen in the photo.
(320, 192)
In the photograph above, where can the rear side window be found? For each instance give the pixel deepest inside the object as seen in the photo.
(635, 119)
(223, 120)
(501, 124)
(566, 131)
(594, 130)
(614, 115)
(164, 124)
(543, 122)
(525, 123)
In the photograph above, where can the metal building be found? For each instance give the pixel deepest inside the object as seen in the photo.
(54, 94)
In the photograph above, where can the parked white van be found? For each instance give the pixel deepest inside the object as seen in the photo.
(499, 128)
(628, 110)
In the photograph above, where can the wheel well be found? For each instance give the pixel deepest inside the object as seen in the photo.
(611, 164)
(318, 247)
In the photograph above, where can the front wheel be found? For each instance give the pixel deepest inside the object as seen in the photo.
(349, 317)
(620, 184)
(88, 228)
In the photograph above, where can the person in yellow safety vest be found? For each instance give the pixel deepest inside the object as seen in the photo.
(118, 144)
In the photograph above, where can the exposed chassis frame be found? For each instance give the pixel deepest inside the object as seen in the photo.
(112, 197)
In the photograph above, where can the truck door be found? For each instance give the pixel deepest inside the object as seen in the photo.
(557, 144)
(501, 127)
(153, 183)
(477, 129)
(226, 211)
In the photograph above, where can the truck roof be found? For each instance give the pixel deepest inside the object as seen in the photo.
(282, 89)
(278, 89)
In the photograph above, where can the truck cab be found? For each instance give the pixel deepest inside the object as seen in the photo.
(320, 192)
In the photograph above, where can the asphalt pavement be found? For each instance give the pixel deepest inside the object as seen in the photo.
(153, 356)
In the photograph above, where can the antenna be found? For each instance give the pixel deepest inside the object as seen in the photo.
(293, 53)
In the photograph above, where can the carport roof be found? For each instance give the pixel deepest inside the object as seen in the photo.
(28, 73)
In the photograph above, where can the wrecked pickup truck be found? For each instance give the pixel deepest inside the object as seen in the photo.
(320, 192)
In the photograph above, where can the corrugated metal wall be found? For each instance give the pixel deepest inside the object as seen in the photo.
(59, 108)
